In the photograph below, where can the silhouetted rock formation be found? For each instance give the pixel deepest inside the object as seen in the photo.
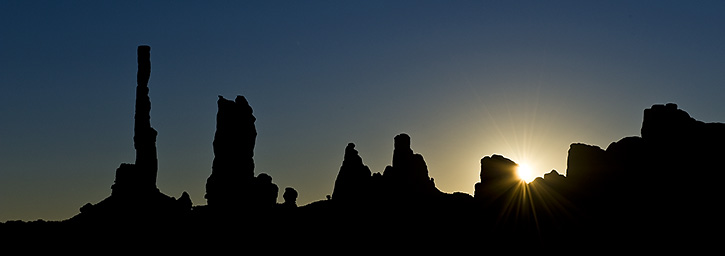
(144, 137)
(233, 168)
(135, 197)
(405, 181)
(290, 197)
(662, 186)
(651, 185)
(498, 176)
(408, 177)
(140, 176)
(670, 133)
(232, 184)
(264, 192)
(672, 143)
(586, 164)
(668, 123)
(353, 183)
(551, 179)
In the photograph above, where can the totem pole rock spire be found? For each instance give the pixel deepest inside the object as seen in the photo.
(135, 200)
(144, 138)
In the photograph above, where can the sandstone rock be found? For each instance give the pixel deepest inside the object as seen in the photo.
(408, 177)
(232, 177)
(353, 182)
(264, 192)
(290, 197)
(586, 163)
(135, 199)
(498, 176)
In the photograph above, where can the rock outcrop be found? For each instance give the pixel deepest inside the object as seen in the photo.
(134, 196)
(498, 177)
(232, 184)
(586, 164)
(232, 177)
(671, 143)
(144, 136)
(290, 198)
(406, 180)
(264, 193)
(141, 176)
(353, 182)
(408, 177)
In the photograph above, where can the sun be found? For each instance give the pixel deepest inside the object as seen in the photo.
(525, 173)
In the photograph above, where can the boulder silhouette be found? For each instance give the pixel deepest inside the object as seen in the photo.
(264, 192)
(290, 197)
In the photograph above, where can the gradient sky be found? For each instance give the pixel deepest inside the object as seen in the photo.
(465, 79)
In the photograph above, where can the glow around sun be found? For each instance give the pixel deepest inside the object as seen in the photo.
(525, 173)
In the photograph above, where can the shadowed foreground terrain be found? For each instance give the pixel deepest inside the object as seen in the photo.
(653, 191)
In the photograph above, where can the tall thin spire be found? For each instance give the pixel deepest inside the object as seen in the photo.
(144, 139)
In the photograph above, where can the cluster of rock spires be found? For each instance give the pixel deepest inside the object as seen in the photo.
(231, 187)
(406, 180)
(663, 185)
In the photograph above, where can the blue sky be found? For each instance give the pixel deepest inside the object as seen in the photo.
(465, 79)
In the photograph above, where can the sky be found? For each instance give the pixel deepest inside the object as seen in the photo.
(465, 79)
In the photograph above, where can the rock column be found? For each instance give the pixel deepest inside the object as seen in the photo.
(144, 139)
(232, 176)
